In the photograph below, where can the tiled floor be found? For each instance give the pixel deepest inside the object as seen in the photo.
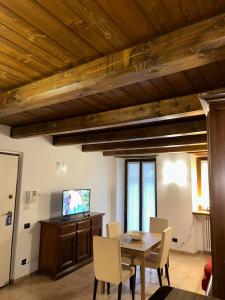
(185, 272)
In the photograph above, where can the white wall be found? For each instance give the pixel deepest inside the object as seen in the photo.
(90, 170)
(174, 202)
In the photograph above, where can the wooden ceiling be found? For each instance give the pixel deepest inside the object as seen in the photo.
(40, 39)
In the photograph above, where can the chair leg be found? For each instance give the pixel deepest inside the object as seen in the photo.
(135, 274)
(161, 271)
(133, 285)
(135, 270)
(159, 275)
(108, 288)
(95, 289)
(119, 291)
(167, 274)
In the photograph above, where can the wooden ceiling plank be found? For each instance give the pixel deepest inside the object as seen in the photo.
(154, 111)
(183, 49)
(190, 11)
(10, 61)
(180, 82)
(197, 79)
(86, 31)
(6, 83)
(180, 128)
(156, 13)
(213, 76)
(34, 13)
(137, 91)
(23, 43)
(151, 89)
(127, 14)
(4, 67)
(37, 37)
(186, 148)
(206, 8)
(24, 56)
(173, 8)
(90, 11)
(148, 143)
(4, 73)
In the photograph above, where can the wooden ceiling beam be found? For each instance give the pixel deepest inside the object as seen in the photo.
(185, 48)
(149, 143)
(180, 128)
(154, 151)
(185, 106)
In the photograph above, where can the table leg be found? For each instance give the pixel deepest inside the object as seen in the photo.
(143, 279)
(102, 287)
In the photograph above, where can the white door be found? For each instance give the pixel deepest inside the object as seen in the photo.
(8, 181)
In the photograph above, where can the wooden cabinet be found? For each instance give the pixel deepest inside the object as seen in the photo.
(66, 245)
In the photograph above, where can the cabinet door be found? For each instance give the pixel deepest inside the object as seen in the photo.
(83, 244)
(67, 248)
(96, 229)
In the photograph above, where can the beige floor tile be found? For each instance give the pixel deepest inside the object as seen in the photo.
(185, 272)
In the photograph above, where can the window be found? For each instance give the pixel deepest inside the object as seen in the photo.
(203, 181)
(140, 194)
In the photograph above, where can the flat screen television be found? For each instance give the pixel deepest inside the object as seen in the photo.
(76, 201)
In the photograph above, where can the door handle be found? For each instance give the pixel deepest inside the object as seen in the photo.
(8, 215)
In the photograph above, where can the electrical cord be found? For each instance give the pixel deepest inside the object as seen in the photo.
(189, 236)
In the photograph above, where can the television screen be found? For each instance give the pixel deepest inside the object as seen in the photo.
(76, 202)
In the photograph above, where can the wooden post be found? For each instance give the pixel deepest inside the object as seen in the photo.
(214, 104)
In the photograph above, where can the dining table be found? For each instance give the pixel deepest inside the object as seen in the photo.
(140, 249)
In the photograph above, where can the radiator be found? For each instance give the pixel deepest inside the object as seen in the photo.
(207, 234)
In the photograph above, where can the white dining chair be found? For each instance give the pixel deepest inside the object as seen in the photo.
(113, 231)
(108, 266)
(158, 260)
(157, 225)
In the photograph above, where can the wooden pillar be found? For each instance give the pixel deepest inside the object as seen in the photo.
(214, 104)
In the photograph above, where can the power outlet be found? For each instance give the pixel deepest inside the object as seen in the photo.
(174, 240)
(25, 261)
(27, 225)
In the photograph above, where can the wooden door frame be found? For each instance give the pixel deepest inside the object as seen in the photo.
(16, 209)
(141, 160)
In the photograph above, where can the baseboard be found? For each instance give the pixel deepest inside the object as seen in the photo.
(13, 281)
(190, 253)
(183, 252)
(204, 252)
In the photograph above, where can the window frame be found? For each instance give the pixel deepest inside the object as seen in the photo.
(127, 161)
(199, 173)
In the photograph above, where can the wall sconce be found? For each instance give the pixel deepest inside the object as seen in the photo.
(175, 172)
(61, 167)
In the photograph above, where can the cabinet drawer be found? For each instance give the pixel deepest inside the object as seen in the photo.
(83, 225)
(71, 228)
(97, 222)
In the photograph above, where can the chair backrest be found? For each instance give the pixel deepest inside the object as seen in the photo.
(113, 230)
(107, 259)
(165, 246)
(157, 225)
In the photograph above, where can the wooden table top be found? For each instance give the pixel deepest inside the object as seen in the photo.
(143, 246)
(169, 293)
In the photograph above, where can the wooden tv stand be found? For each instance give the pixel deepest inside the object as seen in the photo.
(66, 243)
